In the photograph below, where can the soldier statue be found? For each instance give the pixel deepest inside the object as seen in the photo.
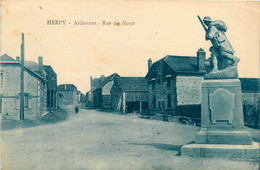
(222, 53)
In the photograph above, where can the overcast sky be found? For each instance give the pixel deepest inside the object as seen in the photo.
(76, 52)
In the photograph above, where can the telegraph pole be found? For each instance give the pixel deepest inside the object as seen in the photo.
(22, 81)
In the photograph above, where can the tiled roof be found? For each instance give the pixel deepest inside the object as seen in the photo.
(132, 83)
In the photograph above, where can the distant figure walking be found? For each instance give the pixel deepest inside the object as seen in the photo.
(76, 109)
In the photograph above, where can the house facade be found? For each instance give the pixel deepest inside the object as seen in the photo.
(51, 78)
(129, 94)
(34, 90)
(174, 83)
(68, 93)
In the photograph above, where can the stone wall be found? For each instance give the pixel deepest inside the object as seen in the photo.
(188, 90)
(33, 88)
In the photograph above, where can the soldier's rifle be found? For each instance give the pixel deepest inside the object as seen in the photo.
(205, 28)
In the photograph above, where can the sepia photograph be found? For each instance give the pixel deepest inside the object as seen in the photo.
(129, 84)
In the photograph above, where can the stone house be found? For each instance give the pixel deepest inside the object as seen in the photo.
(251, 100)
(34, 90)
(174, 84)
(68, 92)
(51, 80)
(129, 94)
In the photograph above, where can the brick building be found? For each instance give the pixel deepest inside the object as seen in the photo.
(129, 94)
(34, 90)
(174, 84)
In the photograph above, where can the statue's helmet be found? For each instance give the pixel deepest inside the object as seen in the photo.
(207, 18)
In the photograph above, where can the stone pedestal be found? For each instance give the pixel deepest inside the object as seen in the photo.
(222, 123)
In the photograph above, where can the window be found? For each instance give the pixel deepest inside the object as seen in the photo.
(169, 101)
(154, 101)
(26, 101)
(153, 85)
(168, 82)
(1, 79)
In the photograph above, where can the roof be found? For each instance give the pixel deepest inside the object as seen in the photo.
(132, 83)
(178, 64)
(6, 57)
(31, 65)
(108, 79)
(101, 84)
(182, 63)
(250, 85)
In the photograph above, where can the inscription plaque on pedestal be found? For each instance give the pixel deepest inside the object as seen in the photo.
(221, 106)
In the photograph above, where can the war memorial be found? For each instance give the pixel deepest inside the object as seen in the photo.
(222, 132)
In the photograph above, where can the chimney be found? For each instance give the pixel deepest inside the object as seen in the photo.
(18, 59)
(102, 78)
(201, 60)
(149, 64)
(40, 63)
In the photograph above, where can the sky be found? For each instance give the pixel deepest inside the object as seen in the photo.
(160, 28)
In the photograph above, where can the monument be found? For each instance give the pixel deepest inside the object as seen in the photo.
(222, 132)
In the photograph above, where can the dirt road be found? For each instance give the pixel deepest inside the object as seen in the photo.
(97, 140)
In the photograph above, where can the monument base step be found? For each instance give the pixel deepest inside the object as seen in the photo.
(239, 137)
(221, 151)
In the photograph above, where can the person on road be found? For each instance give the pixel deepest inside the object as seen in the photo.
(76, 109)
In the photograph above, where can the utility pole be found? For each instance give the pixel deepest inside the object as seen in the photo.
(22, 81)
(50, 89)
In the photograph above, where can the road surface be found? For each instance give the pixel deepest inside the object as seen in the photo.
(98, 140)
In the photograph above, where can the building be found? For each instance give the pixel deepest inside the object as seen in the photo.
(129, 94)
(51, 78)
(34, 90)
(174, 84)
(94, 84)
(251, 100)
(68, 94)
(101, 93)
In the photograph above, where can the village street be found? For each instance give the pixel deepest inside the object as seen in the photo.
(99, 140)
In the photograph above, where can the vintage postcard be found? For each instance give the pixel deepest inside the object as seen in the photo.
(129, 84)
